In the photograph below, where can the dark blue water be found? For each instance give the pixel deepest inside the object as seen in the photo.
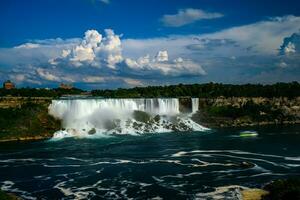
(160, 166)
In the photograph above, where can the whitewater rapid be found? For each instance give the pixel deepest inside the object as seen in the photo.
(102, 117)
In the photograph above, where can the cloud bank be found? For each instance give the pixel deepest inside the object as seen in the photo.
(266, 51)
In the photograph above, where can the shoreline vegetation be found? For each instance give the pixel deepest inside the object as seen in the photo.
(24, 112)
(26, 119)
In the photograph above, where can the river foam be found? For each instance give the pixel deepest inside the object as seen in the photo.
(104, 117)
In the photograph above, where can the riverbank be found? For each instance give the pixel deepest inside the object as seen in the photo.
(26, 119)
(247, 111)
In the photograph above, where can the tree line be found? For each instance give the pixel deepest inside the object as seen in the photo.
(207, 90)
(39, 92)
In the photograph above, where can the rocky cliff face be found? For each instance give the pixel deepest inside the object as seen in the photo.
(185, 105)
(247, 111)
(26, 119)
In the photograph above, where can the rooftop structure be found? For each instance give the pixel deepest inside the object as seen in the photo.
(8, 85)
(65, 86)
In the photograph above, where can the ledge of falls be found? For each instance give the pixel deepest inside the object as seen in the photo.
(102, 117)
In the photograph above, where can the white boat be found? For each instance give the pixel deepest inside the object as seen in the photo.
(248, 133)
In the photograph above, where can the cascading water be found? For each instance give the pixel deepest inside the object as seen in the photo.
(195, 105)
(94, 117)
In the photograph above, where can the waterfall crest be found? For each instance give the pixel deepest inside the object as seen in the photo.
(92, 117)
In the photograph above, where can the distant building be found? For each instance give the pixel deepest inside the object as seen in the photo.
(66, 86)
(8, 85)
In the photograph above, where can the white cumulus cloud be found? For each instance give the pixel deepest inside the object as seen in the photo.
(290, 48)
(94, 50)
(237, 54)
(97, 51)
(162, 56)
(291, 44)
(160, 63)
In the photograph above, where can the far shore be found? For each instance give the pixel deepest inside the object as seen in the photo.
(27, 118)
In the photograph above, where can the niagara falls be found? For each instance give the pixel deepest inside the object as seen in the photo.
(152, 99)
(87, 117)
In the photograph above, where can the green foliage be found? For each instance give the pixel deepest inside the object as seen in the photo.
(28, 120)
(206, 91)
(256, 112)
(195, 90)
(283, 190)
(35, 92)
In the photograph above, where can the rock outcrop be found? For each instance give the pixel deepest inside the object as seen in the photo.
(26, 119)
(247, 111)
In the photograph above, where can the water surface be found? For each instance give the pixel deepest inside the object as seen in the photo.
(191, 165)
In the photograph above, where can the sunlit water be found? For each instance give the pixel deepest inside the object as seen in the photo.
(193, 165)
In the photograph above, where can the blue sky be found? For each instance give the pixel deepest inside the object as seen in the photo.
(127, 43)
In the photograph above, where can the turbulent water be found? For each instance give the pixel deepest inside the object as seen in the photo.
(99, 117)
(175, 165)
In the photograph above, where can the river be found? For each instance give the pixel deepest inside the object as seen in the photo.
(176, 165)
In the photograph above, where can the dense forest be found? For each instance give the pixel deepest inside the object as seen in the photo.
(206, 90)
(193, 90)
(39, 92)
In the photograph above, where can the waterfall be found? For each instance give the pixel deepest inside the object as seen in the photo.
(90, 117)
(195, 105)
